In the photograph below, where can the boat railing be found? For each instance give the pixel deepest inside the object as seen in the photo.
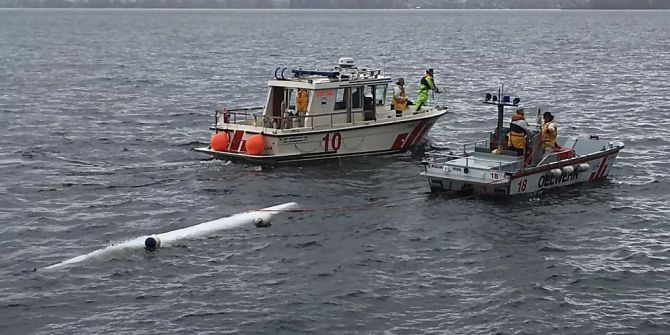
(292, 121)
(471, 162)
(551, 158)
(478, 146)
(557, 156)
(437, 100)
(237, 115)
(254, 116)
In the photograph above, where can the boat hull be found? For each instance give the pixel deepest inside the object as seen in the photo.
(314, 144)
(559, 174)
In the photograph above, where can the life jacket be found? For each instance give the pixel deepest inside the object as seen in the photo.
(517, 117)
(399, 104)
(516, 138)
(549, 136)
(427, 83)
(301, 102)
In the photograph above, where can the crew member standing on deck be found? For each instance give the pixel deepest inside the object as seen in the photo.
(518, 128)
(301, 102)
(399, 100)
(427, 84)
(549, 133)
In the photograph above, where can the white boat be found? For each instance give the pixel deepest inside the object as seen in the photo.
(489, 168)
(347, 114)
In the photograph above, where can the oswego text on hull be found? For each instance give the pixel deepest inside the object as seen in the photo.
(320, 114)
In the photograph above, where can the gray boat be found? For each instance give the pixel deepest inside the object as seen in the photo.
(490, 167)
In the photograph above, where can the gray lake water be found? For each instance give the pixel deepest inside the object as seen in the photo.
(100, 111)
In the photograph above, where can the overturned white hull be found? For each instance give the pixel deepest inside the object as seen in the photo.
(260, 217)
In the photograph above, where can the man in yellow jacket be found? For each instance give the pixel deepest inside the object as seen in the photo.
(518, 129)
(399, 99)
(549, 133)
(301, 102)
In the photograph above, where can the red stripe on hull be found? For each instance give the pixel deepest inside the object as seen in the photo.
(414, 132)
(597, 174)
(602, 173)
(422, 133)
(397, 144)
(572, 161)
(237, 139)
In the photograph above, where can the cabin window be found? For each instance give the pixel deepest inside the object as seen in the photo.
(357, 98)
(340, 99)
(293, 103)
(380, 95)
(290, 98)
(368, 103)
(368, 98)
(277, 101)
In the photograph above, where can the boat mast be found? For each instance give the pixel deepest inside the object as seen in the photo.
(501, 101)
(501, 111)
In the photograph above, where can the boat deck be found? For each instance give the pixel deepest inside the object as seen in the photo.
(486, 161)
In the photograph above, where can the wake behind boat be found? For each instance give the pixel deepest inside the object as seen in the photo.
(496, 167)
(316, 115)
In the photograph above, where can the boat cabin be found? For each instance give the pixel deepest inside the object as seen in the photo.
(314, 99)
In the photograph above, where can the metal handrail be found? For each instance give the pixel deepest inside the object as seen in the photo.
(234, 113)
(245, 109)
(441, 101)
(553, 156)
(279, 122)
(478, 159)
(473, 145)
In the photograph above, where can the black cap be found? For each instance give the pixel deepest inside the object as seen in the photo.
(547, 114)
(429, 70)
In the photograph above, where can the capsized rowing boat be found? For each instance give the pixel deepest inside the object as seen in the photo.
(259, 218)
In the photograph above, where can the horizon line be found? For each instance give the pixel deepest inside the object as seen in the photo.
(364, 9)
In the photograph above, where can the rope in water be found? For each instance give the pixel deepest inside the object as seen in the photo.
(378, 203)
